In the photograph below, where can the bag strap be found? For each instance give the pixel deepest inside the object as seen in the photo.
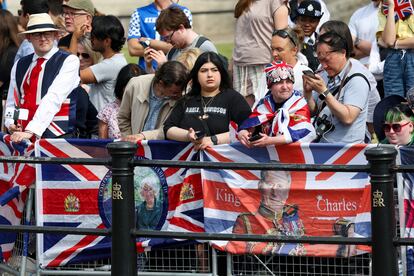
(198, 44)
(347, 79)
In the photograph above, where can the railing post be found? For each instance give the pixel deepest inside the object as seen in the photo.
(384, 253)
(123, 254)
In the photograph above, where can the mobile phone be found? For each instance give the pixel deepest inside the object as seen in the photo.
(200, 134)
(309, 73)
(144, 44)
(255, 137)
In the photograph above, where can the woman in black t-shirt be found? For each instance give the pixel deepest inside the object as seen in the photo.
(203, 116)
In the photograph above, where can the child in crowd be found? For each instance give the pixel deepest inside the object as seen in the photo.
(108, 121)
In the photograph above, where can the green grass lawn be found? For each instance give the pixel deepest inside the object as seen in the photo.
(223, 48)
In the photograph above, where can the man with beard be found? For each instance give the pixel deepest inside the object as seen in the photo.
(107, 38)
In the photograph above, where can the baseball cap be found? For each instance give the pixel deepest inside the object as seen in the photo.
(85, 5)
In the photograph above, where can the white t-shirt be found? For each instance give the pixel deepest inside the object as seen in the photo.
(105, 72)
(364, 25)
(297, 71)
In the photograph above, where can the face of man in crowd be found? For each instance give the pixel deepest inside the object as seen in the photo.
(282, 49)
(99, 45)
(274, 188)
(74, 18)
(209, 77)
(169, 91)
(282, 90)
(42, 42)
(308, 24)
(175, 37)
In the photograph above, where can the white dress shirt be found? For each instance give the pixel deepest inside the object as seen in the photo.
(67, 80)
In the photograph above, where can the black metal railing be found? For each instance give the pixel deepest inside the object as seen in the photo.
(124, 262)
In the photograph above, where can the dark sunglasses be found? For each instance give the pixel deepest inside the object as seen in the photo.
(84, 55)
(396, 127)
(284, 34)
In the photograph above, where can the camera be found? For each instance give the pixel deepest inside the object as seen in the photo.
(323, 125)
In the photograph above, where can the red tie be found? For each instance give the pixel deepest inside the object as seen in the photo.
(30, 91)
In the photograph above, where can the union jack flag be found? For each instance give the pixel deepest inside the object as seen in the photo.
(314, 205)
(402, 9)
(292, 119)
(79, 196)
(14, 179)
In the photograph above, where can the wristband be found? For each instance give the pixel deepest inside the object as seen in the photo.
(214, 139)
(324, 94)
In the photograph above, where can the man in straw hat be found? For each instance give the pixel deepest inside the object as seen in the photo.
(40, 101)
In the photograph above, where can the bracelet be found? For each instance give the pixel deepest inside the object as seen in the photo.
(145, 138)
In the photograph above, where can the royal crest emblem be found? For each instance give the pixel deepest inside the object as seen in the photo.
(187, 191)
(72, 204)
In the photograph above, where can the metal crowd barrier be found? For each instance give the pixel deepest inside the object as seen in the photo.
(124, 257)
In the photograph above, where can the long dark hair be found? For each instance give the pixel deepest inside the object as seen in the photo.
(127, 72)
(8, 30)
(217, 61)
(241, 7)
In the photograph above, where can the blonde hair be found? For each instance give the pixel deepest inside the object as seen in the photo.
(86, 43)
(189, 57)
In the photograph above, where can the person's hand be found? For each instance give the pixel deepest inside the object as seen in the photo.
(244, 136)
(158, 56)
(19, 136)
(192, 137)
(133, 138)
(81, 30)
(13, 128)
(203, 143)
(147, 55)
(313, 83)
(262, 142)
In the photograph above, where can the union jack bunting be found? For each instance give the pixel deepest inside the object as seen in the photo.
(402, 9)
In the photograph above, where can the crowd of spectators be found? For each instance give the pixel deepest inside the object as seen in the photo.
(283, 51)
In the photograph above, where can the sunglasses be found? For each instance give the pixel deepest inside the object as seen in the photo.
(284, 34)
(395, 127)
(84, 55)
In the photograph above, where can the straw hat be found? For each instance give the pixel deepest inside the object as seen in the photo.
(40, 22)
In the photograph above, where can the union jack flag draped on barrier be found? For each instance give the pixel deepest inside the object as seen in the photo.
(14, 181)
(80, 196)
(402, 9)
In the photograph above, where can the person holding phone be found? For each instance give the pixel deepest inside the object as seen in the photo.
(282, 116)
(203, 116)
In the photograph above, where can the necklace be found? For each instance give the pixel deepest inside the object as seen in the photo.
(204, 115)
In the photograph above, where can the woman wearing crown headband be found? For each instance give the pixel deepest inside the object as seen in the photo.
(282, 116)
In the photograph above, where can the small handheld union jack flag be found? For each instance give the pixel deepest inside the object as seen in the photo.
(402, 8)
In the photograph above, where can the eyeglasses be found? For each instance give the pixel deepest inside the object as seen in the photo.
(46, 35)
(284, 34)
(84, 55)
(73, 14)
(396, 127)
(168, 37)
(325, 56)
